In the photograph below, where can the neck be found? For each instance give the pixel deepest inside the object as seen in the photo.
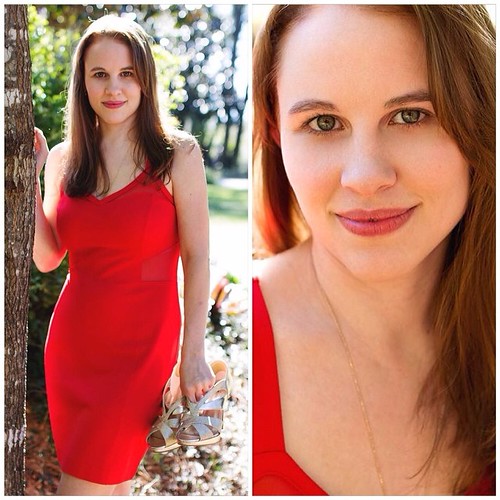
(116, 144)
(116, 134)
(117, 150)
(388, 317)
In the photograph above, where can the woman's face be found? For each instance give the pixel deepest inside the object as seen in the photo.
(379, 182)
(112, 87)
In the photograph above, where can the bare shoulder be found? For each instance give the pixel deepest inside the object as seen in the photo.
(281, 263)
(56, 162)
(281, 279)
(59, 150)
(186, 148)
(188, 171)
(279, 275)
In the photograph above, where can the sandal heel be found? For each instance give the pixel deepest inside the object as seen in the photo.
(166, 425)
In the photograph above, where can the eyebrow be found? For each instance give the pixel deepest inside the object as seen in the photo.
(417, 96)
(99, 68)
(310, 104)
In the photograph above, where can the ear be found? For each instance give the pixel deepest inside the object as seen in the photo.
(275, 135)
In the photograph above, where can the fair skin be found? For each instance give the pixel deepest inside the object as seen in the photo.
(114, 94)
(358, 133)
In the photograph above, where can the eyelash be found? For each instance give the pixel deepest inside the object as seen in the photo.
(426, 114)
(307, 124)
(102, 74)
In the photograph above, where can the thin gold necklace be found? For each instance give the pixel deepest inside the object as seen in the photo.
(355, 380)
(113, 179)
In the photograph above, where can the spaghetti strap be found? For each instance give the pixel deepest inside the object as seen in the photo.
(268, 429)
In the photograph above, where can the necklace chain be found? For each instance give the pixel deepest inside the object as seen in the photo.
(115, 176)
(355, 380)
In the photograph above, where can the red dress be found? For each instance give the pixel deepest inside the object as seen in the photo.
(274, 471)
(114, 334)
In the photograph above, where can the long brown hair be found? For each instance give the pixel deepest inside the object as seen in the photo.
(84, 163)
(460, 51)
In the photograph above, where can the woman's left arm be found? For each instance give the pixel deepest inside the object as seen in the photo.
(191, 201)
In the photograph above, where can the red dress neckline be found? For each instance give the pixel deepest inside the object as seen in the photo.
(275, 472)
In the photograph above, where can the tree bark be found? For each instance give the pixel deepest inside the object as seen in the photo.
(19, 230)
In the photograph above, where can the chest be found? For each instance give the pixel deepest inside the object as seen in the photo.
(334, 441)
(140, 219)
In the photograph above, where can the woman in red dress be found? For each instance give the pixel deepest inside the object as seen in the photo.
(125, 196)
(373, 318)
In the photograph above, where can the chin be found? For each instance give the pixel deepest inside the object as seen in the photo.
(403, 263)
(367, 274)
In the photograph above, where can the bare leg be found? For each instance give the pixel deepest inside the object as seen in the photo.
(123, 489)
(71, 486)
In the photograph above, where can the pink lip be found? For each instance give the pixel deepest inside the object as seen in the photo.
(375, 222)
(113, 104)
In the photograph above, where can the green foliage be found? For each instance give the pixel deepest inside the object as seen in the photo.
(232, 278)
(170, 82)
(227, 202)
(212, 175)
(50, 51)
(44, 290)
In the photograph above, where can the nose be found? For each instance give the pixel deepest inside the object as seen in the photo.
(367, 168)
(113, 86)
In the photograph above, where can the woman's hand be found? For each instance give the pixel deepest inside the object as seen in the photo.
(197, 378)
(41, 150)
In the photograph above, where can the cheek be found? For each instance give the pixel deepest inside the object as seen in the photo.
(88, 86)
(452, 188)
(308, 167)
(435, 166)
(92, 88)
(134, 88)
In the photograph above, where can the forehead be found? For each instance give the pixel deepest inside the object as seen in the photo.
(107, 51)
(353, 48)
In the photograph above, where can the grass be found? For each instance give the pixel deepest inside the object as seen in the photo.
(227, 202)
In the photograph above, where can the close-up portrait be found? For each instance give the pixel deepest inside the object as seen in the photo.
(373, 337)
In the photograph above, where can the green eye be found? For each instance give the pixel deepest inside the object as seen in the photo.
(324, 123)
(408, 117)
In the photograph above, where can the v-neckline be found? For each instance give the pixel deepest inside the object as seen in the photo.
(115, 194)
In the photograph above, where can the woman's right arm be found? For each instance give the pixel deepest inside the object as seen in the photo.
(47, 250)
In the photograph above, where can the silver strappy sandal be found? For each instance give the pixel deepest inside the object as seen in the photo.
(203, 421)
(161, 437)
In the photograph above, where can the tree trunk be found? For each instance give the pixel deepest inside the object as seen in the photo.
(241, 110)
(229, 157)
(19, 228)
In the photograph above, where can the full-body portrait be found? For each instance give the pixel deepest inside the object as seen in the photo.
(125, 195)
